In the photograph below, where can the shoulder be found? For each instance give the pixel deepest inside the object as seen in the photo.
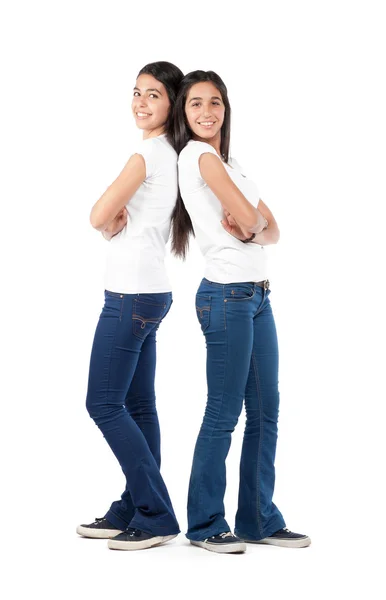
(156, 145)
(157, 153)
(193, 150)
(148, 146)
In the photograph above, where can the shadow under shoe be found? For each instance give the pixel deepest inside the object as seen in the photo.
(226, 543)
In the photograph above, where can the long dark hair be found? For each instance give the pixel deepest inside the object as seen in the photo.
(171, 77)
(182, 226)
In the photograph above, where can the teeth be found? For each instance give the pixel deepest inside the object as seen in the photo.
(142, 114)
(207, 123)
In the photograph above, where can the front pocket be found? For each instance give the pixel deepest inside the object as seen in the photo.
(113, 294)
(203, 308)
(146, 315)
(239, 291)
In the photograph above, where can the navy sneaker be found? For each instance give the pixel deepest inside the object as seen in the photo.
(284, 537)
(136, 539)
(225, 542)
(101, 529)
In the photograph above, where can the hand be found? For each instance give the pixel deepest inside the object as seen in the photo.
(232, 227)
(116, 225)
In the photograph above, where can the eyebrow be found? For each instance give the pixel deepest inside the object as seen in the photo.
(150, 90)
(212, 98)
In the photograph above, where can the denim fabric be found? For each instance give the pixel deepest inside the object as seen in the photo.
(121, 401)
(242, 365)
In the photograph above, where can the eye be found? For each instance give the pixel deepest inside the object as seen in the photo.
(136, 93)
(217, 103)
(153, 96)
(196, 104)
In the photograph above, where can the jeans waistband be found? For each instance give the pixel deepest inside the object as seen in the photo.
(263, 284)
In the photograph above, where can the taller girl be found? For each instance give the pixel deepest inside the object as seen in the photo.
(121, 397)
(232, 226)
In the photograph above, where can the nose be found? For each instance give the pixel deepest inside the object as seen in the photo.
(206, 109)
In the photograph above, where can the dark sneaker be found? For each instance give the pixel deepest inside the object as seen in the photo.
(286, 538)
(223, 542)
(101, 529)
(136, 539)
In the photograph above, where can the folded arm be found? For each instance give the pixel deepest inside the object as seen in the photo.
(216, 177)
(118, 193)
(271, 233)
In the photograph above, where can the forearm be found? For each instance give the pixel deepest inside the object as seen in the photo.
(119, 193)
(260, 225)
(270, 235)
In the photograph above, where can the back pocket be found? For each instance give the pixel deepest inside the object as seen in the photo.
(203, 307)
(146, 316)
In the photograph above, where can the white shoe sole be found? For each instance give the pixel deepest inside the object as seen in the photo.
(300, 543)
(155, 541)
(99, 534)
(236, 547)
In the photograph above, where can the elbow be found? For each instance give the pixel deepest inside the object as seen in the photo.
(96, 221)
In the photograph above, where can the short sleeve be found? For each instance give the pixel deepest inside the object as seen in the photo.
(149, 149)
(191, 153)
(188, 165)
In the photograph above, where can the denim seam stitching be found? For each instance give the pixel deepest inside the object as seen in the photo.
(218, 416)
(120, 315)
(225, 312)
(111, 356)
(260, 443)
(260, 305)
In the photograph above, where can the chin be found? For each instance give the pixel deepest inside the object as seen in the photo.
(206, 135)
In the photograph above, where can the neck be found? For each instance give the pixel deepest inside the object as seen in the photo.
(151, 133)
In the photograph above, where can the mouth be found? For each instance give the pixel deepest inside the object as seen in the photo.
(206, 124)
(142, 115)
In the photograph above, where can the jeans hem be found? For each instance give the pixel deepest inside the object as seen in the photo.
(117, 521)
(201, 536)
(154, 530)
(279, 524)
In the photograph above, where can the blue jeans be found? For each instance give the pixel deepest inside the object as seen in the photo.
(242, 364)
(121, 401)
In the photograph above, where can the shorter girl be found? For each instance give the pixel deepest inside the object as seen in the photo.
(121, 397)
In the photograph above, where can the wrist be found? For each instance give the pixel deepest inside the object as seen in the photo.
(249, 239)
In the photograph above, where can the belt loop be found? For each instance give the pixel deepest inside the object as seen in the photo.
(266, 284)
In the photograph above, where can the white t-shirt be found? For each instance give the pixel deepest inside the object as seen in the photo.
(228, 260)
(135, 259)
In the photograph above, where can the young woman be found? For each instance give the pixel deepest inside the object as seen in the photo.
(135, 214)
(232, 226)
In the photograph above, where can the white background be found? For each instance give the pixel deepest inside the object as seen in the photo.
(306, 81)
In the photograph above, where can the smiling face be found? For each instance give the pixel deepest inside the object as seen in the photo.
(150, 105)
(205, 112)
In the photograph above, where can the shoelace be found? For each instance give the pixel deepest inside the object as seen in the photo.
(132, 531)
(98, 520)
(221, 535)
(226, 534)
